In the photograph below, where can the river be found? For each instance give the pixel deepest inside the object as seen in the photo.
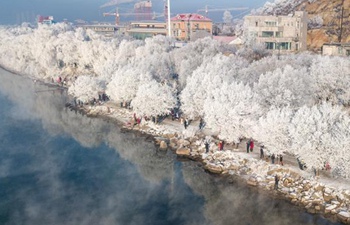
(60, 167)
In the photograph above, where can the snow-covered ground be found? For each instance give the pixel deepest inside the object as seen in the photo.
(293, 104)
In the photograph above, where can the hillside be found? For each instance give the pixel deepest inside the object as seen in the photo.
(324, 15)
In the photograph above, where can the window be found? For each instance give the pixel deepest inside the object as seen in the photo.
(256, 23)
(269, 45)
(284, 45)
(271, 23)
(279, 34)
(340, 50)
(253, 34)
(267, 34)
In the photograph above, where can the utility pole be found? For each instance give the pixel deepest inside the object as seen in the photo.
(169, 22)
(341, 22)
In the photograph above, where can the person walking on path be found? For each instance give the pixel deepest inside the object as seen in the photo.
(251, 145)
(248, 145)
(281, 159)
(273, 158)
(206, 144)
(277, 179)
(201, 124)
(221, 146)
(186, 123)
(262, 152)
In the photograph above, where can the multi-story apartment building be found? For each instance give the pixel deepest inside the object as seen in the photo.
(106, 29)
(144, 29)
(187, 27)
(278, 33)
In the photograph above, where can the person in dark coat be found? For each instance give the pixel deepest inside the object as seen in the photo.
(248, 146)
(206, 144)
(222, 146)
(186, 123)
(261, 151)
(277, 179)
(281, 159)
(201, 124)
(273, 158)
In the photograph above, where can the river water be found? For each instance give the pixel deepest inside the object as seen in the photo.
(60, 167)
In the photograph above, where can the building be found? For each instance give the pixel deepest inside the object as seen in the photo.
(189, 27)
(45, 20)
(336, 49)
(278, 33)
(144, 29)
(143, 10)
(106, 29)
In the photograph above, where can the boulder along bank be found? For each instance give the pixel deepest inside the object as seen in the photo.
(308, 193)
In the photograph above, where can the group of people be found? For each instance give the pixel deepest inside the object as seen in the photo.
(186, 123)
(279, 159)
(207, 145)
(250, 145)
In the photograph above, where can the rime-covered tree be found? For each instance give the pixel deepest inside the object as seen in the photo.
(153, 99)
(125, 84)
(285, 87)
(272, 130)
(232, 111)
(86, 88)
(320, 134)
(211, 74)
(331, 78)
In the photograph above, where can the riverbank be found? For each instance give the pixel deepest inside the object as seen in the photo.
(300, 187)
(323, 194)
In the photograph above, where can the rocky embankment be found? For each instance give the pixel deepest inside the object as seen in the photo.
(308, 193)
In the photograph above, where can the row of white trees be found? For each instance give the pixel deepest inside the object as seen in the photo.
(295, 104)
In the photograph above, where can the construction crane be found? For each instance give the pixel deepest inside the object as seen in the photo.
(207, 9)
(116, 14)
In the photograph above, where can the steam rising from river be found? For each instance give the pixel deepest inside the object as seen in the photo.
(157, 177)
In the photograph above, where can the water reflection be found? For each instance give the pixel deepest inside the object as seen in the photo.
(59, 167)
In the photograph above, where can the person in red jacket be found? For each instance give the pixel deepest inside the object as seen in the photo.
(251, 145)
(220, 145)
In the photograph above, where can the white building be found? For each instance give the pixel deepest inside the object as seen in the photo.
(336, 49)
(106, 29)
(278, 33)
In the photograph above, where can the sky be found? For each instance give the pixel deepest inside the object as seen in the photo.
(18, 11)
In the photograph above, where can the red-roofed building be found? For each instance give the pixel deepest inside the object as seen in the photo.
(191, 26)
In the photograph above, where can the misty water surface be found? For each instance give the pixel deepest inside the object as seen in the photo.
(60, 167)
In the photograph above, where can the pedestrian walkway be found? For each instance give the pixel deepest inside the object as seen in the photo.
(290, 161)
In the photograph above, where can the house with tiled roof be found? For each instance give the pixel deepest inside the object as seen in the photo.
(191, 26)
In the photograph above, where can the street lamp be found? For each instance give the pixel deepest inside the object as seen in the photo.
(169, 22)
(278, 46)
